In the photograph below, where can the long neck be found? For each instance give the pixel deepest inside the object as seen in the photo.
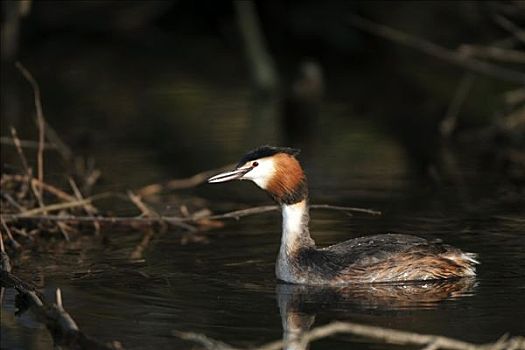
(295, 227)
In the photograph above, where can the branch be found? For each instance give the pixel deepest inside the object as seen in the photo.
(435, 50)
(44, 128)
(60, 324)
(448, 124)
(60, 206)
(208, 343)
(178, 184)
(182, 221)
(492, 52)
(511, 27)
(25, 143)
(384, 335)
(39, 118)
(27, 170)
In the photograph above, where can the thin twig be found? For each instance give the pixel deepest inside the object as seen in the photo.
(12, 201)
(2, 249)
(5, 263)
(21, 155)
(26, 143)
(176, 220)
(138, 252)
(448, 124)
(511, 27)
(45, 186)
(144, 209)
(493, 52)
(40, 120)
(60, 146)
(207, 342)
(15, 244)
(266, 208)
(237, 214)
(56, 191)
(178, 184)
(435, 50)
(60, 206)
(27, 169)
(89, 208)
(343, 208)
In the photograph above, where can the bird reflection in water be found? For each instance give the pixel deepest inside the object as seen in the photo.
(299, 304)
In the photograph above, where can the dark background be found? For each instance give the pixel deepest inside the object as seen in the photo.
(172, 80)
(148, 91)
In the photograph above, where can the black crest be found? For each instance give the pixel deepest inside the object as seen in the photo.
(267, 151)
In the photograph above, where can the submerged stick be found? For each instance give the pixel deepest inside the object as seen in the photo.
(207, 342)
(63, 329)
(383, 335)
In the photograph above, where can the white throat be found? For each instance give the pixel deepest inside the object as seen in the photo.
(295, 226)
(295, 236)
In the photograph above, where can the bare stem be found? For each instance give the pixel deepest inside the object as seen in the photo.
(435, 50)
(40, 120)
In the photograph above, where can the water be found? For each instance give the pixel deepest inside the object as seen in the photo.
(223, 284)
(225, 287)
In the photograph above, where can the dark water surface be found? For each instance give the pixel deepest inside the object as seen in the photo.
(225, 286)
(226, 289)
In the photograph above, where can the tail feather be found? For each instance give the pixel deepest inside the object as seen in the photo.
(471, 257)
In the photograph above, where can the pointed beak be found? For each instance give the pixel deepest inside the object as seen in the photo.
(229, 175)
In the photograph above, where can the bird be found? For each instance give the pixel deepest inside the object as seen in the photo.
(370, 259)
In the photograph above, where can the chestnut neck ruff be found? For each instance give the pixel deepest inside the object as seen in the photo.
(288, 185)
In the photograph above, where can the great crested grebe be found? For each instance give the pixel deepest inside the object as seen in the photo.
(378, 258)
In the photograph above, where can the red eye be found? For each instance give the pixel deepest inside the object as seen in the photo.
(254, 164)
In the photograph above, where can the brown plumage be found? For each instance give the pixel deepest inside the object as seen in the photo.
(413, 265)
(288, 184)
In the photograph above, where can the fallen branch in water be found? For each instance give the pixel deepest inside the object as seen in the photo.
(384, 335)
(60, 324)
